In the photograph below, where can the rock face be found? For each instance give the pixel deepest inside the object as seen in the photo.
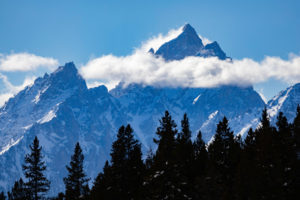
(188, 43)
(61, 110)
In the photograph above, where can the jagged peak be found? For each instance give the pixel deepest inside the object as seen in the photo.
(68, 67)
(187, 28)
(67, 76)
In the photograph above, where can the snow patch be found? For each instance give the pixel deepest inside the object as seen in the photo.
(196, 99)
(27, 127)
(37, 97)
(10, 144)
(49, 116)
(274, 109)
(212, 115)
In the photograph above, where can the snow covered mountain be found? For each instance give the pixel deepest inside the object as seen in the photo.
(188, 43)
(286, 101)
(61, 110)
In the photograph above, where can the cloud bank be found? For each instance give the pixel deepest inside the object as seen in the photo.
(25, 62)
(144, 68)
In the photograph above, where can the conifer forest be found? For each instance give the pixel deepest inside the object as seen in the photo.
(263, 165)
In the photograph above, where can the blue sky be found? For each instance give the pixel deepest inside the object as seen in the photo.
(82, 30)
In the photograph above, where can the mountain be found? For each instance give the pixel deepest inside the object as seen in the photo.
(61, 110)
(286, 101)
(188, 43)
(205, 107)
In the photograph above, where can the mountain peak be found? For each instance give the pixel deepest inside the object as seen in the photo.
(67, 76)
(187, 28)
(214, 49)
(68, 68)
(188, 43)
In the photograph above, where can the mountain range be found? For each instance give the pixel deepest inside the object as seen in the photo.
(60, 109)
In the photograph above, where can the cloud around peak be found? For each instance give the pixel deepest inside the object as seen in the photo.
(144, 68)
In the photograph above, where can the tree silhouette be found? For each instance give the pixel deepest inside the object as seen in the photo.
(37, 184)
(76, 183)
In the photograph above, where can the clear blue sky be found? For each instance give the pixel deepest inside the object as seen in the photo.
(77, 30)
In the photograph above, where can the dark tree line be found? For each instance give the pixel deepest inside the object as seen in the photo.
(263, 166)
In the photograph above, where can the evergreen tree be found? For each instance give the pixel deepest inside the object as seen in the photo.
(18, 191)
(185, 151)
(245, 178)
(166, 133)
(123, 179)
(37, 184)
(185, 157)
(103, 184)
(199, 166)
(296, 142)
(2, 196)
(76, 183)
(165, 180)
(286, 175)
(224, 153)
(267, 160)
(296, 132)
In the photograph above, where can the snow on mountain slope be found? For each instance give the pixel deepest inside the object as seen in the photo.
(65, 113)
(34, 103)
(286, 101)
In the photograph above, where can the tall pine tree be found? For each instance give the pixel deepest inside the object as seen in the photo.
(199, 166)
(185, 157)
(76, 183)
(37, 184)
(123, 179)
(166, 181)
(224, 154)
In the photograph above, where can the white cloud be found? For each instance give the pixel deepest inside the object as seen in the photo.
(11, 90)
(25, 62)
(156, 41)
(146, 69)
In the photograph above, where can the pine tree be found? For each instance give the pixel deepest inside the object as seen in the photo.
(37, 184)
(2, 196)
(123, 179)
(224, 153)
(286, 175)
(296, 132)
(166, 133)
(199, 166)
(165, 180)
(184, 144)
(266, 162)
(76, 183)
(18, 191)
(103, 184)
